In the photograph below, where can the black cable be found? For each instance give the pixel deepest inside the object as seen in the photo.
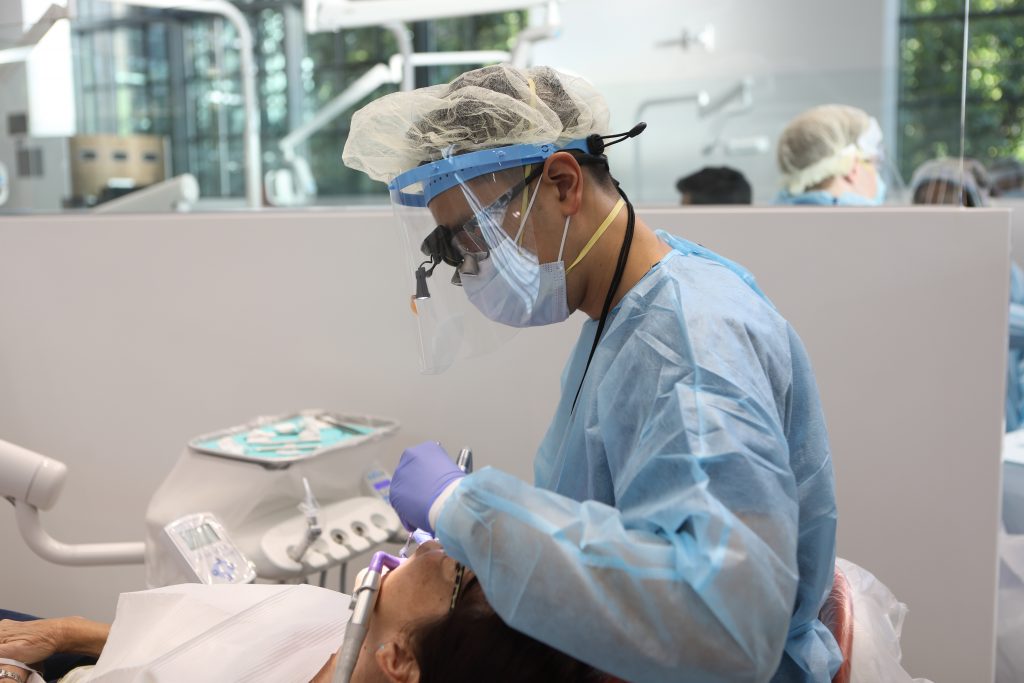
(620, 267)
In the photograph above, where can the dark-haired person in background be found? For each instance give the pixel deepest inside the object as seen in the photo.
(715, 185)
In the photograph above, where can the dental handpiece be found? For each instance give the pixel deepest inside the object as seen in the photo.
(363, 598)
(465, 460)
(418, 537)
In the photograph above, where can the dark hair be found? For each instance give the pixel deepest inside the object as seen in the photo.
(471, 643)
(597, 167)
(711, 185)
(939, 191)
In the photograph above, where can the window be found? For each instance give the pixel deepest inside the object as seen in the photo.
(931, 46)
(336, 60)
(176, 74)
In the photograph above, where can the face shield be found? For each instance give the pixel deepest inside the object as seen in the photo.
(870, 148)
(477, 267)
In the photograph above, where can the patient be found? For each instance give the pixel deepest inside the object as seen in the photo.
(427, 626)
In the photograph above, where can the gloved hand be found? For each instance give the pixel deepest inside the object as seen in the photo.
(423, 473)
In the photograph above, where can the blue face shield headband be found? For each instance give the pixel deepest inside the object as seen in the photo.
(437, 177)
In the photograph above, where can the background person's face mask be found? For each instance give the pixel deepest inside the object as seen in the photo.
(854, 199)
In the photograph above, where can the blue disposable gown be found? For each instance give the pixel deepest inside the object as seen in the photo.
(821, 198)
(1015, 362)
(682, 527)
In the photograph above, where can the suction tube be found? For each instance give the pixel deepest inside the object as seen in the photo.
(362, 608)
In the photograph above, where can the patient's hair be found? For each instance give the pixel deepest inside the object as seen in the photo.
(471, 643)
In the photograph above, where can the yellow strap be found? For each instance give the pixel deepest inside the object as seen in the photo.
(600, 231)
(533, 92)
(526, 197)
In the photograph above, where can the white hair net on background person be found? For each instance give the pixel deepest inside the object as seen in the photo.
(485, 108)
(823, 142)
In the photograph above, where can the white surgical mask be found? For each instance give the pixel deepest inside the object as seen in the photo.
(511, 287)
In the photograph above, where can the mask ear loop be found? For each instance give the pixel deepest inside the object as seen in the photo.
(522, 220)
(565, 232)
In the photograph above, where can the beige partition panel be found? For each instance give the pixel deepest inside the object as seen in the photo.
(1016, 207)
(122, 337)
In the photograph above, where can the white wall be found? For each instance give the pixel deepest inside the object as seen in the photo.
(800, 54)
(123, 337)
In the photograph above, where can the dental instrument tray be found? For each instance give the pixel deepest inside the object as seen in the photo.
(275, 442)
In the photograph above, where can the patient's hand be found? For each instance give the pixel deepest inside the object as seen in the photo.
(30, 641)
(34, 641)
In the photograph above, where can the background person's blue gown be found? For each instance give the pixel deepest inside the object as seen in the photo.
(1015, 361)
(820, 198)
(683, 524)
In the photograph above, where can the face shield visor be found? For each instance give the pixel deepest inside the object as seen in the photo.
(477, 267)
(870, 148)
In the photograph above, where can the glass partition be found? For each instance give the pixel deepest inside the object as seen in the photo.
(127, 98)
(994, 113)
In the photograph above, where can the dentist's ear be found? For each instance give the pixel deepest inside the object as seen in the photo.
(397, 662)
(564, 172)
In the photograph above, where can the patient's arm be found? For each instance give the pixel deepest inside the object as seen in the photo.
(34, 641)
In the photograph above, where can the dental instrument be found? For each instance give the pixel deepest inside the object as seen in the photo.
(310, 508)
(363, 600)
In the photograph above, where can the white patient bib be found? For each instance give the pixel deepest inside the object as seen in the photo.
(194, 632)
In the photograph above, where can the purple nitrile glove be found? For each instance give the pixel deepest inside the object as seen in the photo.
(423, 473)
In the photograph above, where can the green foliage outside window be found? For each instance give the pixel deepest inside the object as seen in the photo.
(931, 47)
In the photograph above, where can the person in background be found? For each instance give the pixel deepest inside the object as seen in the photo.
(830, 156)
(1007, 176)
(714, 185)
(948, 181)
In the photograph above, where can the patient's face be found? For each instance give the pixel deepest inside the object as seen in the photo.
(418, 590)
